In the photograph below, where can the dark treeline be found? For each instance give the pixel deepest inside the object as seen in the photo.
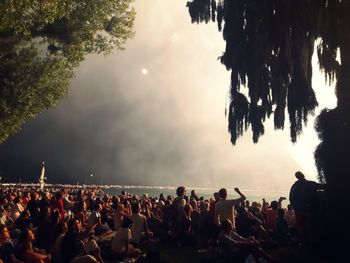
(269, 46)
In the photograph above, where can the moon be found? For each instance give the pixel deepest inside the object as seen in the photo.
(144, 71)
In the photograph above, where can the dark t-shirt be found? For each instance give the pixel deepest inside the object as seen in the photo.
(281, 230)
(303, 195)
(33, 206)
(244, 226)
(6, 250)
(70, 246)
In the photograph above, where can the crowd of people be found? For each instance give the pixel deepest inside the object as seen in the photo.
(77, 225)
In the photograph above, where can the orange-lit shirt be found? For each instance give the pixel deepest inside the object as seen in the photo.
(271, 216)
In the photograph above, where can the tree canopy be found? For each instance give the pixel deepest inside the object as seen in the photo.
(40, 44)
(269, 46)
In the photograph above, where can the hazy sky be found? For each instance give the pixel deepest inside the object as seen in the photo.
(154, 115)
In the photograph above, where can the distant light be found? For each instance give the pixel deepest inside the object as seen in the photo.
(91, 175)
(144, 71)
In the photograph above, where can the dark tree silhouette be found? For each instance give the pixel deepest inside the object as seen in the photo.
(40, 44)
(269, 46)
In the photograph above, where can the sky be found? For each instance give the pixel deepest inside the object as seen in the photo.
(153, 114)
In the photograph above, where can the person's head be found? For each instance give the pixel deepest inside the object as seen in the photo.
(299, 175)
(61, 228)
(216, 196)
(223, 193)
(25, 214)
(77, 225)
(16, 200)
(55, 216)
(194, 203)
(289, 207)
(4, 233)
(127, 223)
(255, 204)
(204, 206)
(135, 207)
(226, 226)
(34, 196)
(193, 193)
(26, 235)
(44, 212)
(280, 212)
(58, 195)
(241, 211)
(274, 205)
(80, 206)
(98, 207)
(120, 208)
(180, 191)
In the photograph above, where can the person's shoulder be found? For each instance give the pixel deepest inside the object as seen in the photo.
(181, 202)
(7, 245)
(218, 203)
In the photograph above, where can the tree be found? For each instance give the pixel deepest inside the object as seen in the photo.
(40, 44)
(269, 46)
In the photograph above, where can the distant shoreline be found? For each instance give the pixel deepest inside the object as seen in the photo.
(116, 186)
(139, 190)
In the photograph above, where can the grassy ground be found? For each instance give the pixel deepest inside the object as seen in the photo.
(174, 254)
(180, 255)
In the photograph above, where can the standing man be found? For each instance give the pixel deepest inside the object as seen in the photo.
(224, 209)
(303, 197)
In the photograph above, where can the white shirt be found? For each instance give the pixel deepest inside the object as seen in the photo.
(224, 209)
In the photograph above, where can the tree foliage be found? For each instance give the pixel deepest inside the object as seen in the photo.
(269, 46)
(40, 44)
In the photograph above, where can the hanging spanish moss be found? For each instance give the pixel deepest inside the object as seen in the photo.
(269, 47)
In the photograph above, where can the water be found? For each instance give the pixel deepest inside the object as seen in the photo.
(153, 191)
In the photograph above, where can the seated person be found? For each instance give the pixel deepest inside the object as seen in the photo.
(237, 248)
(94, 221)
(25, 250)
(73, 248)
(119, 216)
(139, 230)
(92, 248)
(120, 245)
(249, 225)
(6, 246)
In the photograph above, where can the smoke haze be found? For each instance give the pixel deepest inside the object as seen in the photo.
(165, 127)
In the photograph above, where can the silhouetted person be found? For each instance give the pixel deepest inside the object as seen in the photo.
(303, 196)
